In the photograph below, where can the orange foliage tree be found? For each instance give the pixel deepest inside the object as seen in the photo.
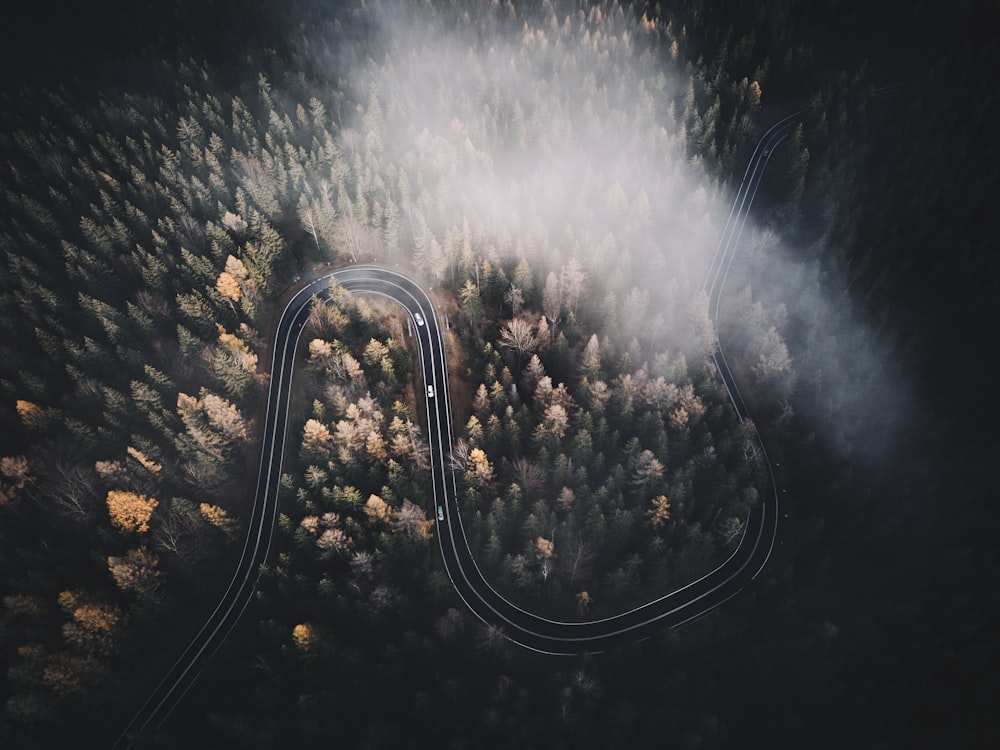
(130, 511)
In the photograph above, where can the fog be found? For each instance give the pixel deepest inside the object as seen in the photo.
(571, 134)
(553, 142)
(847, 385)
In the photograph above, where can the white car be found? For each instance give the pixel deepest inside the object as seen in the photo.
(419, 318)
(430, 391)
(440, 513)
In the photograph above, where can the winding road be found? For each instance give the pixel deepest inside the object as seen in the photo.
(520, 626)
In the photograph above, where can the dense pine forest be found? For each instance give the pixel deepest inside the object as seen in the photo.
(558, 173)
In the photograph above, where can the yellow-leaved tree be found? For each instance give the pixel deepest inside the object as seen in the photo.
(218, 518)
(136, 572)
(659, 514)
(94, 628)
(147, 463)
(234, 283)
(130, 511)
(31, 414)
(377, 509)
(15, 471)
(228, 287)
(317, 442)
(303, 636)
(480, 470)
(544, 553)
(238, 351)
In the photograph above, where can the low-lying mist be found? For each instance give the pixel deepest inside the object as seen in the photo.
(564, 138)
(840, 377)
(576, 133)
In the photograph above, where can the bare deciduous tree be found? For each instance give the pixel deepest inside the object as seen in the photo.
(519, 336)
(458, 459)
(176, 530)
(528, 474)
(577, 561)
(68, 489)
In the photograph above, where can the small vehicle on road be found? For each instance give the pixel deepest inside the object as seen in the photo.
(419, 318)
(440, 513)
(430, 391)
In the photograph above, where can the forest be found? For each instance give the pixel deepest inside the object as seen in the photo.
(558, 174)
